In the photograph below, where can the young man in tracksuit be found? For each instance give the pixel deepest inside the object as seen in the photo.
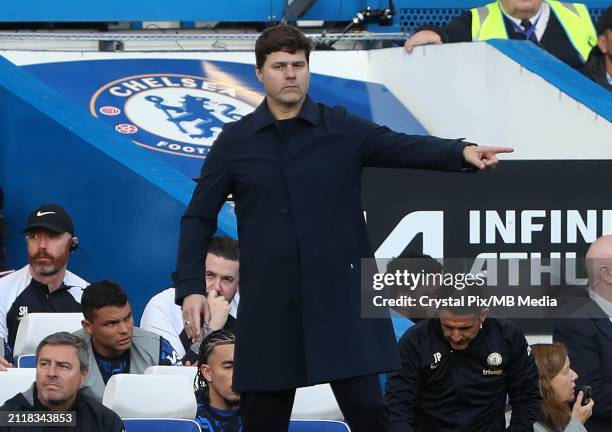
(456, 371)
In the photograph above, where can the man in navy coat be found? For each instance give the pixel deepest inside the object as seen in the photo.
(588, 338)
(294, 169)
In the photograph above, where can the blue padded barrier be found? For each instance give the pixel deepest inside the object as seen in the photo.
(560, 75)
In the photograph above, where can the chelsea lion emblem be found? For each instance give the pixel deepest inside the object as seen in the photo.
(170, 113)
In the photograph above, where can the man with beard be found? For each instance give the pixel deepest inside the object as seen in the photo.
(163, 316)
(44, 285)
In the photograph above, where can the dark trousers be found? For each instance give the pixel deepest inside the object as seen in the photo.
(360, 400)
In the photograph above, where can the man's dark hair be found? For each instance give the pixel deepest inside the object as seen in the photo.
(224, 247)
(64, 338)
(218, 337)
(101, 294)
(281, 38)
(605, 21)
(414, 263)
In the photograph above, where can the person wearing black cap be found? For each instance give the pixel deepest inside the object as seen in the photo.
(44, 285)
(599, 64)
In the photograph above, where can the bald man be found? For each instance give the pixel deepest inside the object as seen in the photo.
(589, 338)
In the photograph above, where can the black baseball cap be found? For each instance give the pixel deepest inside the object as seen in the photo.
(51, 217)
(605, 21)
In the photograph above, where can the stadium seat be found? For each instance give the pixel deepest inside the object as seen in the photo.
(316, 402)
(161, 425)
(12, 383)
(150, 396)
(318, 426)
(26, 361)
(34, 327)
(188, 371)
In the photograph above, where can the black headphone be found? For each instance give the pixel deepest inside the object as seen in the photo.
(74, 244)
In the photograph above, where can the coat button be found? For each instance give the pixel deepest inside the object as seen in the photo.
(284, 212)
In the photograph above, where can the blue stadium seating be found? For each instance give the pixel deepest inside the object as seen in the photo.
(317, 426)
(161, 425)
(26, 361)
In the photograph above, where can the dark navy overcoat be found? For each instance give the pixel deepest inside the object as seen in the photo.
(297, 191)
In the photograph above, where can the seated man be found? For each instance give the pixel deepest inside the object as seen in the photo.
(114, 344)
(61, 368)
(599, 64)
(164, 317)
(456, 371)
(44, 285)
(588, 338)
(564, 30)
(218, 404)
(415, 264)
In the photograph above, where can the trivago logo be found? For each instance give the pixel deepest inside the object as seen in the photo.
(171, 113)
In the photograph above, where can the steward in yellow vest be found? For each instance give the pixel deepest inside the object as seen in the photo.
(564, 30)
(488, 23)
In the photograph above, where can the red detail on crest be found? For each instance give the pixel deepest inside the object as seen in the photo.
(126, 128)
(110, 110)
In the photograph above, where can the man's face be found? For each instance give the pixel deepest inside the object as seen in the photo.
(222, 276)
(111, 329)
(522, 8)
(218, 373)
(460, 330)
(47, 251)
(58, 375)
(285, 77)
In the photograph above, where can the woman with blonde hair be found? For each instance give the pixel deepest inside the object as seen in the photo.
(557, 384)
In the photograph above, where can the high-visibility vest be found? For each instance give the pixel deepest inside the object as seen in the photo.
(488, 23)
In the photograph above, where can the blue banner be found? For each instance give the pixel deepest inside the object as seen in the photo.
(176, 108)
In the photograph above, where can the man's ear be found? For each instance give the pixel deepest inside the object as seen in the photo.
(603, 43)
(86, 326)
(483, 315)
(259, 74)
(206, 372)
(84, 374)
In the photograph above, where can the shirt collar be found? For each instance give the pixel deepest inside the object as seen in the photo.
(262, 117)
(43, 289)
(518, 21)
(602, 302)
